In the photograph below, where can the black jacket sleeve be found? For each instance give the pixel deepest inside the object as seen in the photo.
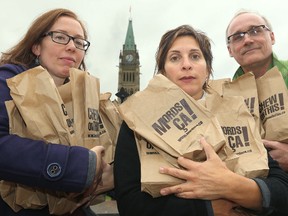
(277, 184)
(131, 201)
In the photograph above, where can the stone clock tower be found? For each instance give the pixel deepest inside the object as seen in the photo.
(129, 66)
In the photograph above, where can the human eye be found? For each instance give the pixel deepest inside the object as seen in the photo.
(195, 56)
(60, 37)
(174, 58)
(79, 42)
(238, 36)
(254, 31)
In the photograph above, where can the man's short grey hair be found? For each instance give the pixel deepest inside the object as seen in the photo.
(244, 11)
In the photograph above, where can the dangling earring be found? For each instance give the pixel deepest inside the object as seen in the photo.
(37, 61)
(205, 84)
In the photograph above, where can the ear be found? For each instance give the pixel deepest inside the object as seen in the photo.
(36, 49)
(272, 38)
(229, 50)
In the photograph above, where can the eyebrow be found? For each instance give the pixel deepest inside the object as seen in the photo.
(63, 31)
(191, 50)
(248, 28)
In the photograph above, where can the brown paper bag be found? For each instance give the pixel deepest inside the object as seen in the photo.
(49, 120)
(245, 86)
(217, 85)
(110, 123)
(16, 124)
(81, 98)
(242, 134)
(29, 90)
(7, 192)
(100, 123)
(151, 160)
(85, 94)
(65, 92)
(173, 123)
(273, 105)
(90, 130)
(41, 87)
(164, 111)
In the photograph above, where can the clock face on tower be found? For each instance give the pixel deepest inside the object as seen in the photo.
(129, 57)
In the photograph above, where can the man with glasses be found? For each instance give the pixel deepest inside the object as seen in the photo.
(250, 38)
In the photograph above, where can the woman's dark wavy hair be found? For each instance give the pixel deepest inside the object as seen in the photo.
(22, 54)
(184, 30)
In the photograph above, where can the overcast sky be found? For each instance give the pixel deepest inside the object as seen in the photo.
(107, 22)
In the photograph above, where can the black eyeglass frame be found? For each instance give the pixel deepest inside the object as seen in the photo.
(70, 38)
(247, 32)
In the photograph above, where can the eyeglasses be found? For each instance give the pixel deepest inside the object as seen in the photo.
(62, 38)
(253, 32)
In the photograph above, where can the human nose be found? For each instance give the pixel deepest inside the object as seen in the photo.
(186, 64)
(247, 37)
(71, 44)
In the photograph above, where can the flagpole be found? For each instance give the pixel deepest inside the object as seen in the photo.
(130, 13)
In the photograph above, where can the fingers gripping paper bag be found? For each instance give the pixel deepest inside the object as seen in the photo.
(273, 105)
(242, 134)
(171, 120)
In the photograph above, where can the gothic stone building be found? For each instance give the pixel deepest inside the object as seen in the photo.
(129, 67)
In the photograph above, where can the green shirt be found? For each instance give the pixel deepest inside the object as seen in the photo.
(282, 67)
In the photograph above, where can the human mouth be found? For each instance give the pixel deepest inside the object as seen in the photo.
(69, 60)
(187, 78)
(248, 50)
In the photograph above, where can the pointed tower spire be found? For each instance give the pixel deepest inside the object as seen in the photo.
(129, 41)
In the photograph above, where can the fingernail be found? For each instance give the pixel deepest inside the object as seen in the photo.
(161, 170)
(163, 192)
